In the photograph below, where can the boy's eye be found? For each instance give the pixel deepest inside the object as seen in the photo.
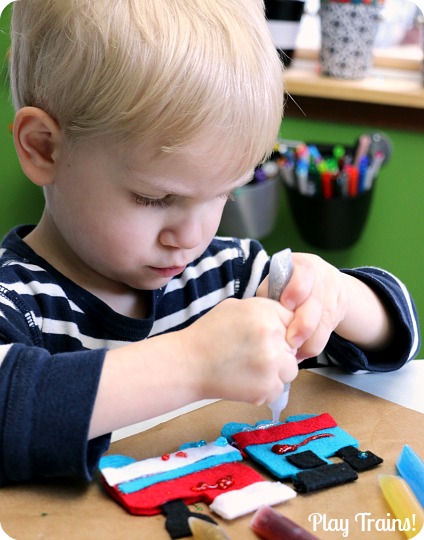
(167, 200)
(152, 203)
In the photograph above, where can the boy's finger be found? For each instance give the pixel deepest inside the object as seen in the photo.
(300, 285)
(304, 323)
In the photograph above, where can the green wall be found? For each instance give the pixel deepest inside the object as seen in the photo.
(20, 200)
(392, 238)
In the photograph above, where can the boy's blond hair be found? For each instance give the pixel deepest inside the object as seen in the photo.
(155, 70)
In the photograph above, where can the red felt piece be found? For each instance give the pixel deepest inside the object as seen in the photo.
(147, 501)
(284, 431)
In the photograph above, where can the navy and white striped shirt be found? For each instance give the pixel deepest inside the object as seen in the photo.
(54, 335)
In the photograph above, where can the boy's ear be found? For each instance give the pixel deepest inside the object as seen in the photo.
(37, 140)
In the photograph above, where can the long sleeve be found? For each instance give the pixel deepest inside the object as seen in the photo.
(45, 409)
(406, 340)
(48, 381)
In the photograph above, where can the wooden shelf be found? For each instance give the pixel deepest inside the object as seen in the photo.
(395, 87)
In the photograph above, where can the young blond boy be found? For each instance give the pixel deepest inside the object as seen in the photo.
(139, 118)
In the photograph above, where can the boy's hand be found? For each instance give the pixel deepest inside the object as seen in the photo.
(239, 351)
(316, 294)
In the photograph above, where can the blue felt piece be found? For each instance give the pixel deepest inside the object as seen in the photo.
(278, 465)
(115, 461)
(206, 463)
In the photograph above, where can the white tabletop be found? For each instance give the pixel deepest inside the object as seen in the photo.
(404, 387)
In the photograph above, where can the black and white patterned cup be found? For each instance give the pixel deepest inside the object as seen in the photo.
(348, 32)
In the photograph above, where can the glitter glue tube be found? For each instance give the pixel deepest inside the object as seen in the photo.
(268, 524)
(280, 404)
(204, 530)
(280, 272)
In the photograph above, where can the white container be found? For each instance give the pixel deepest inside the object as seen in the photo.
(254, 211)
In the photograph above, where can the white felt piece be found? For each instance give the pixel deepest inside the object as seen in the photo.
(155, 465)
(237, 503)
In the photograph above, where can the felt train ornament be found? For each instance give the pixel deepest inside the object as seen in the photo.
(198, 472)
(220, 474)
(298, 450)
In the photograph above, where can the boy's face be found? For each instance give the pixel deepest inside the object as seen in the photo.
(124, 218)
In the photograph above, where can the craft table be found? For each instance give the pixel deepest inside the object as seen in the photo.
(63, 509)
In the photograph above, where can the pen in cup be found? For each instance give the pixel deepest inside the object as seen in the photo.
(362, 148)
(373, 169)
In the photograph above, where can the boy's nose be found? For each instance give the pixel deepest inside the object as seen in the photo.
(184, 234)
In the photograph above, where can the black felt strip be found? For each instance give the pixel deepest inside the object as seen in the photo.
(306, 460)
(177, 514)
(358, 459)
(323, 477)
